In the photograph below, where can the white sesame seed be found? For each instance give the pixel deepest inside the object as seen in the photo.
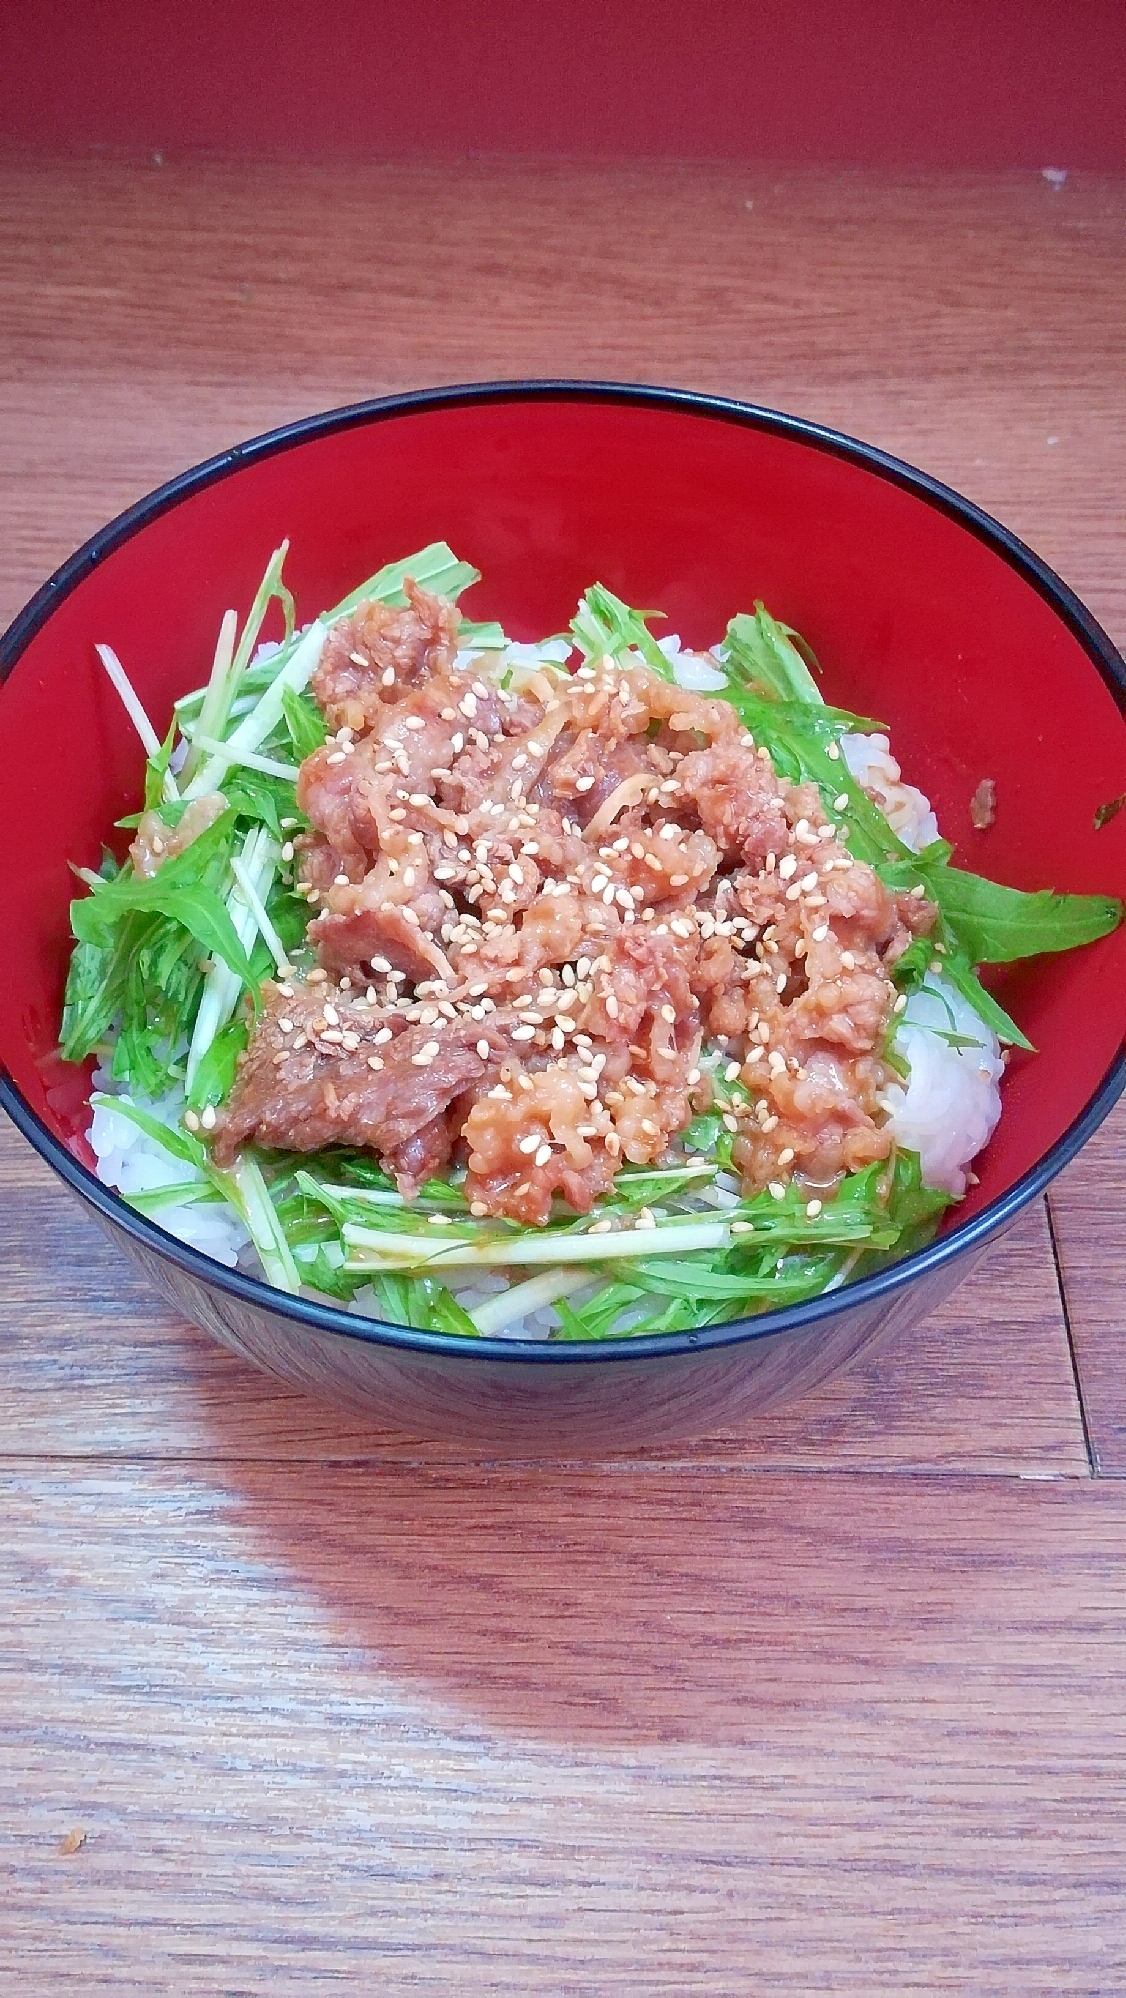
(900, 1003)
(523, 1033)
(813, 1209)
(191, 1120)
(787, 866)
(336, 757)
(776, 1190)
(207, 1117)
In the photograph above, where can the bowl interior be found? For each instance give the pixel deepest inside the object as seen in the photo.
(917, 620)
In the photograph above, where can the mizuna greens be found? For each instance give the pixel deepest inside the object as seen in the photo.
(165, 977)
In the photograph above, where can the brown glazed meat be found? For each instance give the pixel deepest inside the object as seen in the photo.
(533, 907)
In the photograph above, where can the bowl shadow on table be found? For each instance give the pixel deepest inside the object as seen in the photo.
(650, 1598)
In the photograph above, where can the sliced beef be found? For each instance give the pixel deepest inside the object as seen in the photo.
(560, 892)
(370, 658)
(317, 1073)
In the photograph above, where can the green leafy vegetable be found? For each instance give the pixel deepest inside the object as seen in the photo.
(996, 925)
(305, 722)
(771, 656)
(216, 1071)
(604, 627)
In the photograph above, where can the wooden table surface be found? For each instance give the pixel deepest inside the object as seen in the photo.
(836, 1703)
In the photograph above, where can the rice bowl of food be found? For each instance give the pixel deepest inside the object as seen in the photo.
(502, 1003)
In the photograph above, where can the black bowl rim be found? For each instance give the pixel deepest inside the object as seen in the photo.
(962, 1241)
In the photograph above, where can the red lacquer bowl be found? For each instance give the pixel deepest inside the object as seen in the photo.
(922, 610)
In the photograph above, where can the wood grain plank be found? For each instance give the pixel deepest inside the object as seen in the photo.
(95, 1364)
(596, 1732)
(149, 316)
(1087, 1205)
(760, 1721)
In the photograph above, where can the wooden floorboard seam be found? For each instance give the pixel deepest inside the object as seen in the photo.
(1061, 1286)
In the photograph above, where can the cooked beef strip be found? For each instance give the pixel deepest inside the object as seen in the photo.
(564, 889)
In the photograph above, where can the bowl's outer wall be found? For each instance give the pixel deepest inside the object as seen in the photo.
(531, 1410)
(916, 620)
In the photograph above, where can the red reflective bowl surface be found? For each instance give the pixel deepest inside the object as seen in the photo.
(922, 612)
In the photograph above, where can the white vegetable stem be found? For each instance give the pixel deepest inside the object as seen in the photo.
(378, 1248)
(247, 759)
(521, 1298)
(263, 719)
(215, 696)
(250, 1195)
(222, 986)
(135, 712)
(254, 903)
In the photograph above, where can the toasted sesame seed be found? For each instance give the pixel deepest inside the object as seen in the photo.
(318, 977)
